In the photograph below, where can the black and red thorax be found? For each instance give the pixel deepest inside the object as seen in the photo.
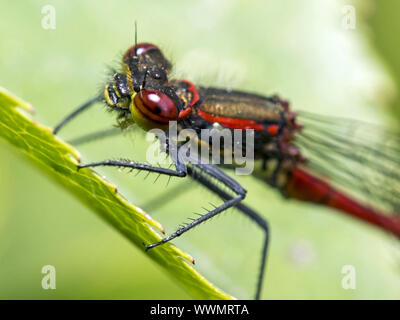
(273, 124)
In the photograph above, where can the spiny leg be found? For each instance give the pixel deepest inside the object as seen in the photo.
(233, 201)
(76, 112)
(201, 177)
(179, 172)
(248, 212)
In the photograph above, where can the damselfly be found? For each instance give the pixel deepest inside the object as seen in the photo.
(340, 163)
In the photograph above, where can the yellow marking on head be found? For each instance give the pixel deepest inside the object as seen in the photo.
(116, 91)
(107, 96)
(128, 74)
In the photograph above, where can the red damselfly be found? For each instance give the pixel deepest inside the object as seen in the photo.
(339, 163)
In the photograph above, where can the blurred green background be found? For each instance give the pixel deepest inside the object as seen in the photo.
(298, 49)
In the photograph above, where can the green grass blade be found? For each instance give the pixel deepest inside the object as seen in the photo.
(59, 160)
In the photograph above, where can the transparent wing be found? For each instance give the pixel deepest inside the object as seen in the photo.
(360, 158)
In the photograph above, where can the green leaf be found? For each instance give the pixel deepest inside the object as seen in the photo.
(59, 160)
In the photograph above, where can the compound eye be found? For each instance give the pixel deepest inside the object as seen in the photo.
(153, 107)
(139, 49)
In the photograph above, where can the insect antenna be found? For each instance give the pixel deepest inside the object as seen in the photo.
(135, 38)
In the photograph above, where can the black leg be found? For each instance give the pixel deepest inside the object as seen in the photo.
(209, 184)
(72, 115)
(206, 175)
(214, 173)
(227, 204)
(100, 135)
(97, 135)
(179, 172)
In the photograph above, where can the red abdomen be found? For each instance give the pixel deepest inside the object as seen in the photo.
(305, 187)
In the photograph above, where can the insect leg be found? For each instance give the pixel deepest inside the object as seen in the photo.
(73, 114)
(97, 135)
(179, 172)
(248, 212)
(116, 94)
(215, 173)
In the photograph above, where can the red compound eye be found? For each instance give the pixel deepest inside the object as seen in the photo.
(139, 49)
(144, 47)
(155, 106)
